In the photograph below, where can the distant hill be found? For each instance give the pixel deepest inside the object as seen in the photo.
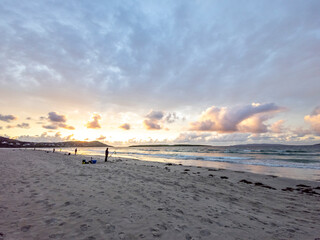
(259, 145)
(172, 145)
(273, 145)
(12, 143)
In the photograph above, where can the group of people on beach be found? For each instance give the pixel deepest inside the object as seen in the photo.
(76, 150)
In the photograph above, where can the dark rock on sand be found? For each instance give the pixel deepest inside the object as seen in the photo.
(245, 181)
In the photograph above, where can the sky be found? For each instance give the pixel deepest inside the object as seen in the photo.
(160, 72)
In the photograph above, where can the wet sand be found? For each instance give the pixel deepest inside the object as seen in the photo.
(53, 196)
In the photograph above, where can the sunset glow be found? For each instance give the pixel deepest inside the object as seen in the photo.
(160, 72)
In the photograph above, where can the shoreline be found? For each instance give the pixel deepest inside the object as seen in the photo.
(52, 195)
(285, 172)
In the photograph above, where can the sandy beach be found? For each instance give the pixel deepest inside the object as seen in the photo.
(53, 196)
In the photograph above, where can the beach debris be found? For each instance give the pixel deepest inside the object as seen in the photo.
(224, 177)
(302, 186)
(186, 170)
(245, 181)
(259, 184)
(169, 164)
(288, 189)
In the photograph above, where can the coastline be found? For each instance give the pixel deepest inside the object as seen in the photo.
(52, 195)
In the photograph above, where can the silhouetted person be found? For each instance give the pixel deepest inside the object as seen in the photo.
(107, 153)
(75, 151)
(54, 150)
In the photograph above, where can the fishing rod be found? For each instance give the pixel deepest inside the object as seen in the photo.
(113, 153)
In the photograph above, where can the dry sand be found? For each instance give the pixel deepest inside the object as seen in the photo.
(53, 196)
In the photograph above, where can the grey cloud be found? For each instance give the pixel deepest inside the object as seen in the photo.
(172, 53)
(56, 121)
(54, 117)
(155, 115)
(125, 126)
(23, 125)
(44, 137)
(52, 126)
(151, 124)
(171, 117)
(7, 118)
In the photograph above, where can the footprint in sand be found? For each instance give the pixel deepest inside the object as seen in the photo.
(56, 235)
(26, 228)
(50, 221)
(84, 227)
(109, 228)
(205, 232)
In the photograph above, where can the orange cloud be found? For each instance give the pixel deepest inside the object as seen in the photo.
(314, 120)
(249, 118)
(101, 138)
(151, 124)
(125, 126)
(94, 123)
(277, 127)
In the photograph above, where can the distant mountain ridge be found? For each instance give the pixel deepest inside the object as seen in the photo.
(232, 146)
(12, 143)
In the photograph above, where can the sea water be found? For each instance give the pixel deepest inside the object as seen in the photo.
(301, 162)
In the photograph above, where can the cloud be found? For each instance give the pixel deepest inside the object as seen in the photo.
(1, 128)
(171, 117)
(300, 132)
(22, 125)
(151, 124)
(277, 127)
(65, 126)
(153, 120)
(52, 126)
(94, 123)
(211, 138)
(44, 137)
(248, 118)
(7, 118)
(56, 121)
(101, 138)
(154, 49)
(125, 126)
(155, 115)
(314, 120)
(54, 117)
(69, 138)
(156, 119)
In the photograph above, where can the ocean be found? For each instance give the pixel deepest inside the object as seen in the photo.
(299, 162)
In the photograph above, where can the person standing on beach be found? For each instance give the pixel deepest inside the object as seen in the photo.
(75, 151)
(107, 153)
